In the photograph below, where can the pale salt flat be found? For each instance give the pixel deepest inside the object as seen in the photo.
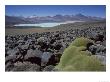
(47, 24)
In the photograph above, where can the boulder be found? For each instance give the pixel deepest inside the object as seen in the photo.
(101, 58)
(12, 52)
(48, 68)
(45, 58)
(33, 56)
(97, 49)
(33, 53)
(10, 59)
(26, 66)
(42, 39)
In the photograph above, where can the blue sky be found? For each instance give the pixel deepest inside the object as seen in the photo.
(50, 10)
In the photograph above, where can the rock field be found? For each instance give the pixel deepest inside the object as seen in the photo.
(42, 51)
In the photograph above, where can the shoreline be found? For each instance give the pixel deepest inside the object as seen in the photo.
(22, 31)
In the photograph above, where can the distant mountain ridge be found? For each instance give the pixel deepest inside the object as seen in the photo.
(11, 20)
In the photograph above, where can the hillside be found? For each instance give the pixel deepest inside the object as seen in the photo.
(69, 47)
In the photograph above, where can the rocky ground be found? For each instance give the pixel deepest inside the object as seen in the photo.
(42, 51)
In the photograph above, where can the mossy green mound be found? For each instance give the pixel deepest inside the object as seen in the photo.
(75, 58)
(81, 42)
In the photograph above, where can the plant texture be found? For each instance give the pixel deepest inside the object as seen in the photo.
(77, 58)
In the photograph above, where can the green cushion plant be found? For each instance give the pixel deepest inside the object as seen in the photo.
(81, 42)
(77, 58)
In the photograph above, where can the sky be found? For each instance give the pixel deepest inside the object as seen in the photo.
(51, 10)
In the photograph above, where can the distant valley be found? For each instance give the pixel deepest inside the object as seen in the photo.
(10, 21)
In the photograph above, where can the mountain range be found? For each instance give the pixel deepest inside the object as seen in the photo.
(11, 20)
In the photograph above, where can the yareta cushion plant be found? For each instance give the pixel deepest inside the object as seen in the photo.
(81, 42)
(77, 58)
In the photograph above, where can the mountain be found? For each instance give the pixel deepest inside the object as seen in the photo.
(11, 20)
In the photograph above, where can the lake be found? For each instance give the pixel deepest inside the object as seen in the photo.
(47, 24)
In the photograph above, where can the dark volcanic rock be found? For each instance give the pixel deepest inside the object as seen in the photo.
(26, 66)
(45, 58)
(48, 68)
(43, 51)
